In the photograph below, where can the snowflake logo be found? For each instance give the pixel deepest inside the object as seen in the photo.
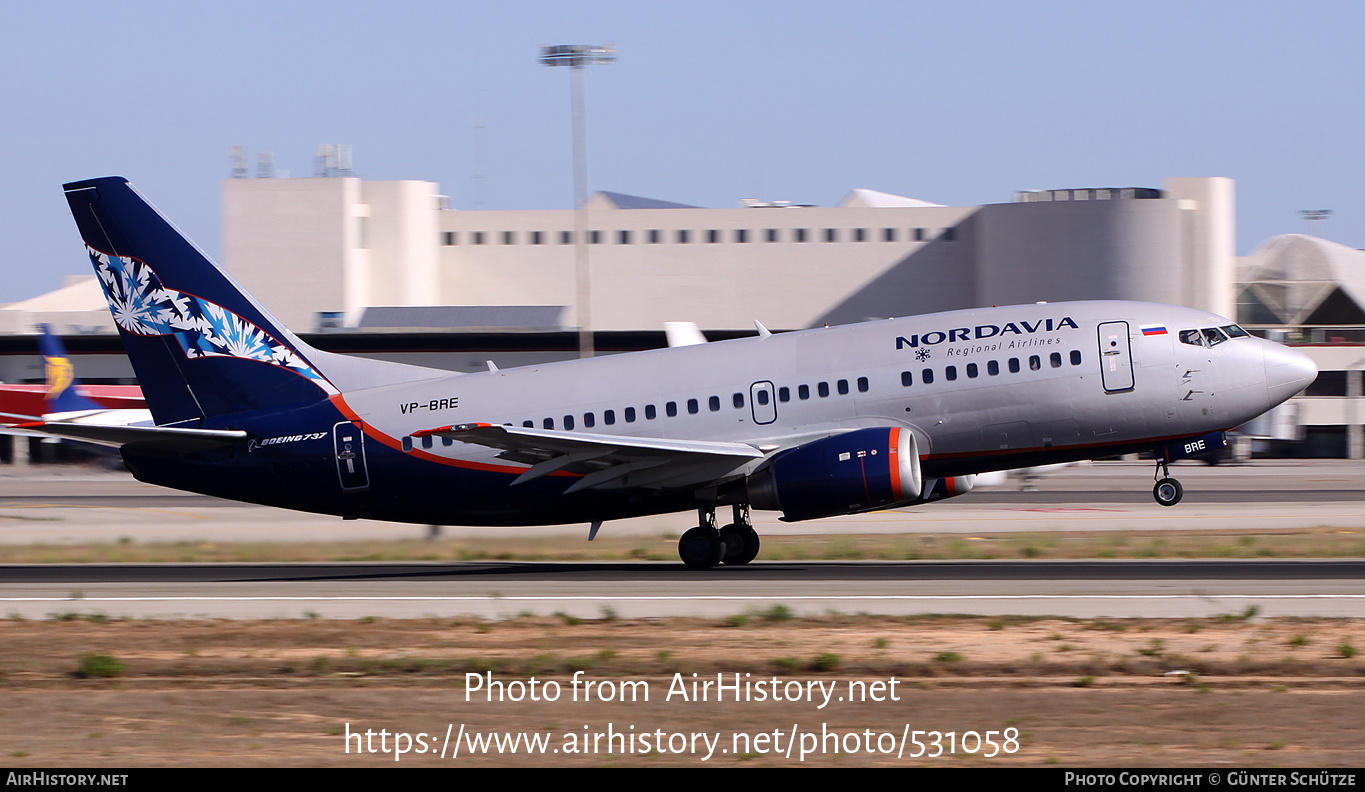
(921, 354)
(141, 305)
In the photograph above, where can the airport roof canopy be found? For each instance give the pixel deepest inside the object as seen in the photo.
(1296, 279)
(862, 198)
(464, 317)
(615, 200)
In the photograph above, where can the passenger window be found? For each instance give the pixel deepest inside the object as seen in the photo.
(907, 379)
(972, 371)
(426, 441)
(1191, 337)
(843, 387)
(862, 385)
(823, 389)
(693, 407)
(1214, 336)
(568, 423)
(951, 373)
(993, 367)
(609, 417)
(407, 443)
(713, 403)
(1056, 359)
(671, 408)
(1075, 357)
(549, 423)
(630, 415)
(737, 400)
(763, 398)
(784, 394)
(1014, 365)
(803, 392)
(529, 424)
(588, 420)
(1034, 363)
(450, 441)
(927, 376)
(650, 412)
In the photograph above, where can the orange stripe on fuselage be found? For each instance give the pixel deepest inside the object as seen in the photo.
(339, 402)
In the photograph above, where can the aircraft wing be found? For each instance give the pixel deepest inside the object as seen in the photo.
(168, 437)
(607, 461)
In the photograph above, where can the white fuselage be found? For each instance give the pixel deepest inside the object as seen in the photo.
(1050, 379)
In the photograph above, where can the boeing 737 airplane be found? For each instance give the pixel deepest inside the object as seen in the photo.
(63, 392)
(816, 423)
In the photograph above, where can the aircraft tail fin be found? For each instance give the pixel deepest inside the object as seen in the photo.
(200, 345)
(63, 388)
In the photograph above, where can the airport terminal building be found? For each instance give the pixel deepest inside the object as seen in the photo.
(333, 248)
(385, 268)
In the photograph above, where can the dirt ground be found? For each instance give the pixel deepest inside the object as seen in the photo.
(852, 690)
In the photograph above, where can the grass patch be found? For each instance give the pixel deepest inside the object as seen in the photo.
(100, 666)
(826, 661)
(777, 613)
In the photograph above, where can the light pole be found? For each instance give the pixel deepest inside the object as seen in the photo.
(576, 56)
(1316, 218)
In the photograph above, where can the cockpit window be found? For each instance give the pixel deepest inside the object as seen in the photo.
(1214, 336)
(1235, 331)
(1191, 337)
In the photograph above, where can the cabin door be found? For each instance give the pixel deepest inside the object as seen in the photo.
(348, 439)
(1116, 358)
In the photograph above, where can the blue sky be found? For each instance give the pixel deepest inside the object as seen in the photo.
(710, 102)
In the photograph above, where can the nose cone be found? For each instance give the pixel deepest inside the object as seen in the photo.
(1287, 371)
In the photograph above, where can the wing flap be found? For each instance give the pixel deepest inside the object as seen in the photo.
(607, 461)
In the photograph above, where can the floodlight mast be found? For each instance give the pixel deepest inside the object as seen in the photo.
(1317, 218)
(576, 56)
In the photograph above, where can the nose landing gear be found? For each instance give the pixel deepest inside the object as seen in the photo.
(1167, 491)
(703, 547)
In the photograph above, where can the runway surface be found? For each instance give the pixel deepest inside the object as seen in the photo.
(647, 589)
(66, 506)
(57, 506)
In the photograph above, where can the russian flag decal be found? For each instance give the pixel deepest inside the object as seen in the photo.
(1151, 330)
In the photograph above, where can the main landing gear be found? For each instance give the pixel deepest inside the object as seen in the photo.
(703, 547)
(1167, 491)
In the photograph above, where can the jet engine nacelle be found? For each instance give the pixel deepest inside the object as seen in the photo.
(854, 472)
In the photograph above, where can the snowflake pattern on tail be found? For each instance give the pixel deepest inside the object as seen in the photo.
(142, 306)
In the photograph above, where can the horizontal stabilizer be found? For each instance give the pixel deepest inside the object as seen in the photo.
(167, 437)
(606, 461)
